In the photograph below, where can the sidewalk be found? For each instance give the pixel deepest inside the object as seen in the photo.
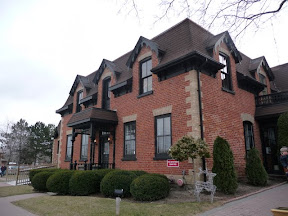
(259, 204)
(8, 209)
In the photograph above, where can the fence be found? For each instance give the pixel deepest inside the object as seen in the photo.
(19, 175)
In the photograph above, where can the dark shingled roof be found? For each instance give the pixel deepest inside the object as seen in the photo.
(93, 115)
(281, 77)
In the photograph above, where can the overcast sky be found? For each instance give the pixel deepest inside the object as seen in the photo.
(45, 44)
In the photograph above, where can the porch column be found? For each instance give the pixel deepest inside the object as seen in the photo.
(114, 145)
(72, 148)
(92, 146)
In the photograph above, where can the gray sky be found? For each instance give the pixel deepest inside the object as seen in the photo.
(45, 44)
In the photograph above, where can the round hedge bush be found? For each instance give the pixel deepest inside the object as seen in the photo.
(83, 183)
(118, 179)
(150, 187)
(103, 172)
(59, 182)
(139, 172)
(33, 172)
(39, 180)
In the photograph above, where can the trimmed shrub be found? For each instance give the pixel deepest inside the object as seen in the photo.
(282, 124)
(59, 182)
(33, 172)
(150, 187)
(83, 183)
(223, 166)
(39, 181)
(118, 179)
(103, 172)
(139, 172)
(255, 171)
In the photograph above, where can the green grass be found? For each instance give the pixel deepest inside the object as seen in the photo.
(15, 190)
(71, 205)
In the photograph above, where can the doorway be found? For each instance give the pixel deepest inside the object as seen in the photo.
(104, 149)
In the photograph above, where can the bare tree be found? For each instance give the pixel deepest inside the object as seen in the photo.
(233, 15)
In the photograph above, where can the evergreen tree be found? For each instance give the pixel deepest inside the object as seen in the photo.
(223, 166)
(282, 130)
(255, 171)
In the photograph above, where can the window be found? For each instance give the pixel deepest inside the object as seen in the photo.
(106, 94)
(146, 77)
(84, 147)
(58, 146)
(130, 140)
(79, 97)
(163, 136)
(262, 79)
(69, 148)
(249, 135)
(225, 73)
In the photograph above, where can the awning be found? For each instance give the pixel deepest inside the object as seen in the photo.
(95, 115)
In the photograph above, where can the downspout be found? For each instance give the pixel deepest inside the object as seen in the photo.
(200, 112)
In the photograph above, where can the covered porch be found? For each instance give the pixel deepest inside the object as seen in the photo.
(100, 126)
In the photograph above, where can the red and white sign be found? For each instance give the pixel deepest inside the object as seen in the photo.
(172, 163)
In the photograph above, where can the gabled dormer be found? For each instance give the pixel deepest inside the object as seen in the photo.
(215, 42)
(142, 41)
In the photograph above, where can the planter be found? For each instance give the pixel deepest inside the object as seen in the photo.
(281, 211)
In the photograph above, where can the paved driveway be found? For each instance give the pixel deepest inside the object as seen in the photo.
(256, 205)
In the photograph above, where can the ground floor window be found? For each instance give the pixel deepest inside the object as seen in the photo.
(130, 140)
(68, 148)
(249, 135)
(163, 136)
(84, 147)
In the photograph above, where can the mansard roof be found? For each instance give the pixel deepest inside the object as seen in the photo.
(281, 77)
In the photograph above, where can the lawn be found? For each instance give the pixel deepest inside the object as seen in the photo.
(15, 190)
(91, 205)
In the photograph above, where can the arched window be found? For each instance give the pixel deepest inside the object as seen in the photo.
(249, 135)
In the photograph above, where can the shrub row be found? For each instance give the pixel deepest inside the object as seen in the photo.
(139, 184)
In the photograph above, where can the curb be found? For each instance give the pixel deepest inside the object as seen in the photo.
(253, 193)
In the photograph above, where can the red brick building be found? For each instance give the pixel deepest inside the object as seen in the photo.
(186, 80)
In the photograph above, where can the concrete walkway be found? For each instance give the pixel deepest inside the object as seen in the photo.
(259, 204)
(8, 209)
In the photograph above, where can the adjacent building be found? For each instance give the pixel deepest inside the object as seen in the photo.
(184, 81)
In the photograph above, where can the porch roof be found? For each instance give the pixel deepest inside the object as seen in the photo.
(95, 115)
(271, 110)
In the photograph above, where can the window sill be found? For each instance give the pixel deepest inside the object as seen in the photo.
(228, 91)
(131, 158)
(67, 160)
(145, 94)
(83, 160)
(162, 157)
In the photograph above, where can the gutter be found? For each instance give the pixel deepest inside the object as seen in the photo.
(200, 112)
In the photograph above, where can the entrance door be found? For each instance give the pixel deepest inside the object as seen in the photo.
(104, 152)
(270, 150)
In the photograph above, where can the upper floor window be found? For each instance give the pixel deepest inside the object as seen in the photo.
(84, 147)
(146, 77)
(68, 148)
(163, 136)
(249, 135)
(130, 140)
(262, 79)
(225, 73)
(79, 98)
(106, 94)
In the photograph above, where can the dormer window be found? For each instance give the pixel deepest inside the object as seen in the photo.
(145, 76)
(79, 98)
(106, 94)
(262, 79)
(225, 73)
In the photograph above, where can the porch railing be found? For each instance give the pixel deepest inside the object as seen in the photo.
(275, 98)
(91, 166)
